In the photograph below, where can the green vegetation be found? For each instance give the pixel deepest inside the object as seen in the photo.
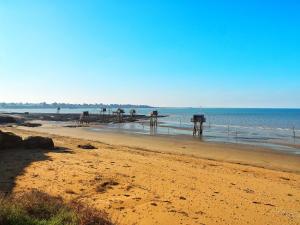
(37, 208)
(66, 105)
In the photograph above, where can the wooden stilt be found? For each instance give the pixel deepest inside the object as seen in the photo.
(119, 115)
(153, 119)
(198, 121)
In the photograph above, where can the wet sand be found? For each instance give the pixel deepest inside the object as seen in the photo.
(142, 179)
(183, 145)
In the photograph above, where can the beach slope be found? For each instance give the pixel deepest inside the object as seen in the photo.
(145, 180)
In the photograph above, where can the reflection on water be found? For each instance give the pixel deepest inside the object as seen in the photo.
(276, 128)
(273, 138)
(153, 130)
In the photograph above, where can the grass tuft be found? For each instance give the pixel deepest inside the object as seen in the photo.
(37, 208)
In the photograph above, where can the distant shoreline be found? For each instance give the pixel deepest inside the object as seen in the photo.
(66, 105)
(126, 106)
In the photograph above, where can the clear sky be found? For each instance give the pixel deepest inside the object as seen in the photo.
(162, 53)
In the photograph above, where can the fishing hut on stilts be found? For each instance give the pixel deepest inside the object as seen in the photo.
(132, 114)
(119, 114)
(153, 118)
(198, 121)
(102, 114)
(84, 117)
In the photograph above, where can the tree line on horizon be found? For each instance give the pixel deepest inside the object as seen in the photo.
(69, 105)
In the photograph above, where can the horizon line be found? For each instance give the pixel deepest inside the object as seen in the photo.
(150, 106)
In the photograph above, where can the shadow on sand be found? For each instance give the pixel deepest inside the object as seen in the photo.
(13, 163)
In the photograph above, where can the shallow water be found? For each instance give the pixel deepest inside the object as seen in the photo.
(279, 144)
(275, 128)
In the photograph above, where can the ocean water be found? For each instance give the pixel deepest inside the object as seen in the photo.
(275, 128)
(278, 129)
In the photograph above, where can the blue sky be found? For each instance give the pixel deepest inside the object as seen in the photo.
(162, 53)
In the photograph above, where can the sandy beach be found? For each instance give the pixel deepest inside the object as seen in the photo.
(149, 112)
(140, 179)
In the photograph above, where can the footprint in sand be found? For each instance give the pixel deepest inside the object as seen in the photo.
(200, 213)
(268, 204)
(247, 190)
(284, 178)
(126, 166)
(168, 202)
(255, 202)
(129, 187)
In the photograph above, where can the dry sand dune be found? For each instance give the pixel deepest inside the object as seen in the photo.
(138, 182)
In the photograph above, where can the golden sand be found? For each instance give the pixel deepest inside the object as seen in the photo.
(159, 180)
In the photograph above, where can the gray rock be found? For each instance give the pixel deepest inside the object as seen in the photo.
(9, 140)
(7, 119)
(38, 142)
(28, 124)
(87, 146)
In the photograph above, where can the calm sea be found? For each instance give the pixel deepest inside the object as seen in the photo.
(275, 128)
